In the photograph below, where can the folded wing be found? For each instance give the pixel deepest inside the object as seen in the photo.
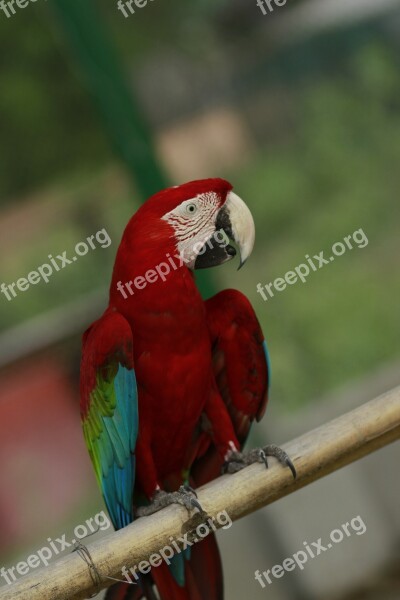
(241, 370)
(109, 410)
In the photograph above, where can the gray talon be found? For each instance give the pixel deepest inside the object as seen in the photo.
(188, 488)
(291, 467)
(281, 456)
(185, 496)
(239, 460)
(196, 504)
(263, 457)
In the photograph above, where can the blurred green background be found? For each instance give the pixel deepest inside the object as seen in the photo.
(323, 118)
(301, 115)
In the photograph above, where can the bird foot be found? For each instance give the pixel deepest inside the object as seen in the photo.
(185, 496)
(239, 460)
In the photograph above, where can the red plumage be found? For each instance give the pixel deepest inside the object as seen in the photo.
(200, 370)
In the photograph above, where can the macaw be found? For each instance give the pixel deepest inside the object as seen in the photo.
(170, 384)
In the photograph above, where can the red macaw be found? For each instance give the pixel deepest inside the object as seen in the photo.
(170, 384)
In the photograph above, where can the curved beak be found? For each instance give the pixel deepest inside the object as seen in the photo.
(238, 223)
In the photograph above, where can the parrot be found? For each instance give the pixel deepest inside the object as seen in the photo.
(170, 384)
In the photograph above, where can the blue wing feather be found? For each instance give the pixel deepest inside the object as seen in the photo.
(110, 417)
(268, 361)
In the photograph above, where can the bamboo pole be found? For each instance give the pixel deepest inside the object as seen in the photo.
(315, 454)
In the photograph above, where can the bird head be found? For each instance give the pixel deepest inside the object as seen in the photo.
(200, 218)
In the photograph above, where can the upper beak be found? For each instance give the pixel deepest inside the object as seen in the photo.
(239, 225)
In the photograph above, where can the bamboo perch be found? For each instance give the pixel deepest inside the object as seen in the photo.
(315, 454)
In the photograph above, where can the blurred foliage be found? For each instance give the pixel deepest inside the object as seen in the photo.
(326, 165)
(339, 174)
(49, 126)
(73, 213)
(334, 170)
(44, 107)
(45, 114)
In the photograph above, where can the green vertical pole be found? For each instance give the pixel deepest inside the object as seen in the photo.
(100, 67)
(125, 124)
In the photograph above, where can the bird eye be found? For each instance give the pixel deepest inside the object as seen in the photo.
(191, 208)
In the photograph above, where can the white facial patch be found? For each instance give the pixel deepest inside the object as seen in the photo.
(193, 222)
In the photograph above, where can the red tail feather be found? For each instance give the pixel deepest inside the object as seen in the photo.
(203, 577)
